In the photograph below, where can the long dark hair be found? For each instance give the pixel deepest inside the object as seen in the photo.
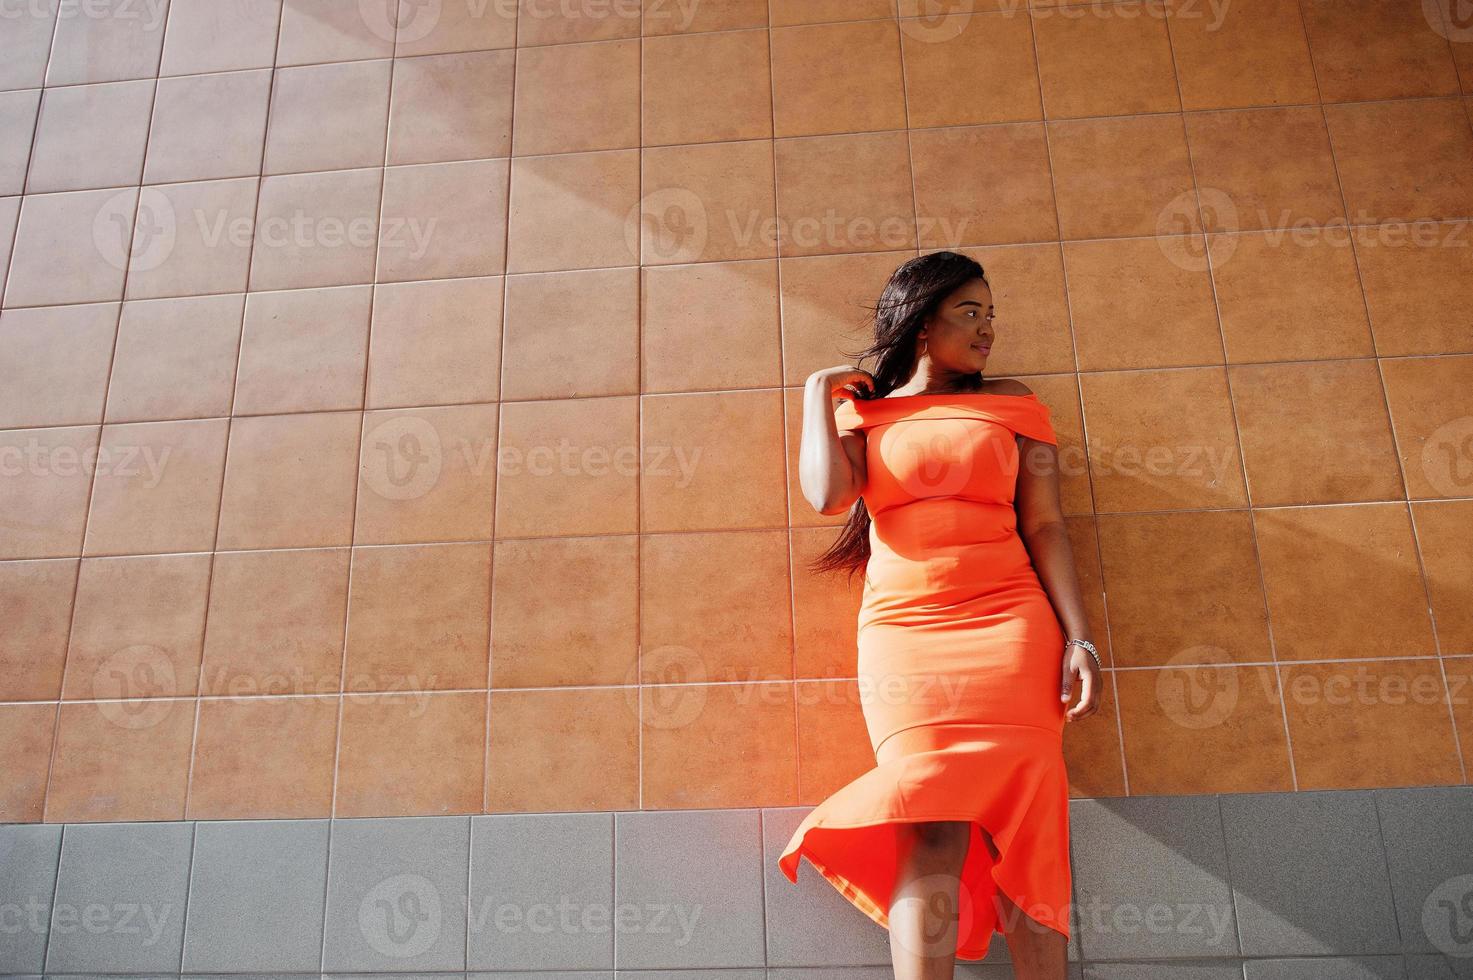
(914, 292)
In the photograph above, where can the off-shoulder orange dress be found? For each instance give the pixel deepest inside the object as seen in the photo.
(960, 660)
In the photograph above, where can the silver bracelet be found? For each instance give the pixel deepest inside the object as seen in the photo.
(1088, 648)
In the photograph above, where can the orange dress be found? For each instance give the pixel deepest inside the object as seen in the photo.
(960, 660)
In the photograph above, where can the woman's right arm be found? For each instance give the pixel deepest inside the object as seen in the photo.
(831, 466)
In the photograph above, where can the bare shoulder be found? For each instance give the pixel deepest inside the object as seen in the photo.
(1007, 386)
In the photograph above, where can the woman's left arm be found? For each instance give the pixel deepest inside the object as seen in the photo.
(1041, 526)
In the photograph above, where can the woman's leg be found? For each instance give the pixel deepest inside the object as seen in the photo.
(1038, 952)
(923, 909)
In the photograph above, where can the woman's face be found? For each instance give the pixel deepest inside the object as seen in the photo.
(959, 335)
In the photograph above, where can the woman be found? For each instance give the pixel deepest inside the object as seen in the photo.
(965, 670)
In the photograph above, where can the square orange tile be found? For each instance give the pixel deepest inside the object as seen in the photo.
(1315, 432)
(681, 302)
(719, 745)
(550, 23)
(712, 461)
(1137, 305)
(175, 359)
(46, 501)
(435, 343)
(1431, 404)
(845, 194)
(427, 474)
(569, 466)
(593, 192)
(1264, 168)
(208, 126)
(564, 612)
(263, 759)
(661, 18)
(708, 203)
(1175, 450)
(788, 12)
(418, 618)
(833, 742)
(328, 117)
(451, 107)
(411, 754)
(1286, 297)
(137, 628)
(303, 350)
(1395, 730)
(563, 751)
(732, 95)
(939, 50)
(1319, 564)
(548, 314)
(983, 185)
(1403, 160)
(1126, 175)
(825, 318)
(1250, 54)
(1185, 727)
(316, 230)
(443, 220)
(205, 36)
(825, 612)
(158, 488)
(118, 760)
(56, 364)
(26, 731)
(837, 78)
(732, 617)
(36, 606)
(1093, 755)
(1444, 541)
(289, 481)
(193, 239)
(320, 31)
(275, 624)
(1173, 602)
(1105, 59)
(452, 27)
(1367, 50)
(1415, 287)
(574, 98)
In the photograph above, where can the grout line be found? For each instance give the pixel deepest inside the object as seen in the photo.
(641, 278)
(1110, 677)
(499, 442)
(362, 420)
(230, 421)
(788, 389)
(77, 577)
(792, 570)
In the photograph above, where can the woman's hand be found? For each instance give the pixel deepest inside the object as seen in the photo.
(1078, 664)
(851, 381)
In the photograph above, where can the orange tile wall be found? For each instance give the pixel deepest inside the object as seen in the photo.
(504, 516)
